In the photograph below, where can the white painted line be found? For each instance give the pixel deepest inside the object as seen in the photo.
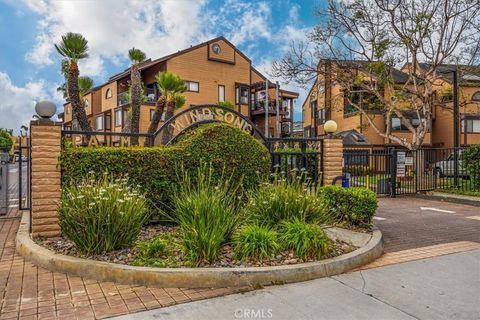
(474, 217)
(12, 200)
(435, 209)
(13, 206)
(379, 218)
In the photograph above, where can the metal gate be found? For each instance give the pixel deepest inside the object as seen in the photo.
(3, 187)
(395, 171)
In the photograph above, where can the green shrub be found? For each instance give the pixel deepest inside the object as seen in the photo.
(255, 242)
(153, 169)
(284, 199)
(206, 211)
(154, 248)
(307, 240)
(6, 142)
(101, 215)
(355, 206)
(471, 161)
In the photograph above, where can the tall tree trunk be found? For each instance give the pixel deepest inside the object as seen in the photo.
(168, 132)
(157, 116)
(78, 109)
(136, 94)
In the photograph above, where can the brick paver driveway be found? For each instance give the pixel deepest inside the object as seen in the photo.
(28, 292)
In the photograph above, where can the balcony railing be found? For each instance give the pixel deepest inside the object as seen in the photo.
(259, 106)
(124, 99)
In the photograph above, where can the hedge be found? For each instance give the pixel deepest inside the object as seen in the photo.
(471, 161)
(356, 206)
(154, 169)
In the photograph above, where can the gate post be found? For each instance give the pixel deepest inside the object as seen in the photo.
(45, 139)
(332, 160)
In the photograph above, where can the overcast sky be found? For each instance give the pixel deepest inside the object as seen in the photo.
(29, 64)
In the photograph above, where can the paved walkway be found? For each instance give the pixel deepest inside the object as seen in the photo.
(28, 292)
(445, 287)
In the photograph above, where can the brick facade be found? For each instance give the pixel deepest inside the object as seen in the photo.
(332, 160)
(45, 184)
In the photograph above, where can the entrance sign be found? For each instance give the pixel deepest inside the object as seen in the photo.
(409, 161)
(201, 114)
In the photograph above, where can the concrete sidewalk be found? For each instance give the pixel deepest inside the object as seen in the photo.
(444, 287)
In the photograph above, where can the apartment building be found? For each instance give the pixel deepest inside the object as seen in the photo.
(213, 71)
(326, 100)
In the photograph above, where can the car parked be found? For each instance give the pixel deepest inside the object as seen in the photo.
(446, 168)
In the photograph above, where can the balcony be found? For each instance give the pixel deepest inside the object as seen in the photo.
(258, 108)
(124, 99)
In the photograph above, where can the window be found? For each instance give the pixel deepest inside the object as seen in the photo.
(471, 125)
(365, 100)
(313, 105)
(322, 115)
(108, 122)
(397, 125)
(192, 86)
(476, 96)
(241, 96)
(67, 110)
(221, 93)
(99, 123)
(86, 103)
(108, 94)
(152, 112)
(118, 118)
(355, 157)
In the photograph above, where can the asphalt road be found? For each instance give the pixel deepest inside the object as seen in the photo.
(444, 287)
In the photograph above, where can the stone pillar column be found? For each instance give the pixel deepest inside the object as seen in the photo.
(332, 160)
(45, 146)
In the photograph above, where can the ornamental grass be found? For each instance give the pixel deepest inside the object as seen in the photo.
(101, 215)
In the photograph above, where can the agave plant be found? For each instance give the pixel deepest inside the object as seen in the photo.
(136, 57)
(73, 48)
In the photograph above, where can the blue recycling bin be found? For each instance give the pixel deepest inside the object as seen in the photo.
(346, 180)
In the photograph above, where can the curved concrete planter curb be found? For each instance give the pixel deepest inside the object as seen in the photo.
(189, 277)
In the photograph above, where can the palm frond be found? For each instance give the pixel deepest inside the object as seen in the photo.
(179, 101)
(73, 46)
(85, 84)
(136, 55)
(169, 84)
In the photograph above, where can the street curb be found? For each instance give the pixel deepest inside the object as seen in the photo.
(190, 277)
(452, 198)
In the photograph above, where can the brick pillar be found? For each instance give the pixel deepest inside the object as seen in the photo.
(45, 185)
(332, 160)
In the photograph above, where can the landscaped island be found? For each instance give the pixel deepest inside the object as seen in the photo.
(207, 201)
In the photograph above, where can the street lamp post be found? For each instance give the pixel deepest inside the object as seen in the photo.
(456, 133)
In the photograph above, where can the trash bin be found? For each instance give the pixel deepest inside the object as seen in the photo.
(383, 186)
(346, 180)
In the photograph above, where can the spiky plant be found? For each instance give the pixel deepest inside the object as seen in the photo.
(136, 57)
(170, 87)
(73, 48)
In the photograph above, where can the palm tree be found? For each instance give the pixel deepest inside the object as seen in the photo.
(170, 87)
(74, 47)
(136, 57)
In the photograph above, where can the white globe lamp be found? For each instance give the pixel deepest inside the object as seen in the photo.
(45, 109)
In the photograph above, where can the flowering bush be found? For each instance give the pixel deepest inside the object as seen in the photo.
(284, 199)
(101, 215)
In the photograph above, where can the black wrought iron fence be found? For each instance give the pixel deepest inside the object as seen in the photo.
(302, 155)
(396, 171)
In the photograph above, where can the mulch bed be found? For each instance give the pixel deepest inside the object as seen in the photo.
(133, 256)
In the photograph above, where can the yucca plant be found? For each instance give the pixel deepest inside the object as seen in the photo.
(255, 242)
(137, 57)
(206, 210)
(73, 48)
(307, 240)
(101, 215)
